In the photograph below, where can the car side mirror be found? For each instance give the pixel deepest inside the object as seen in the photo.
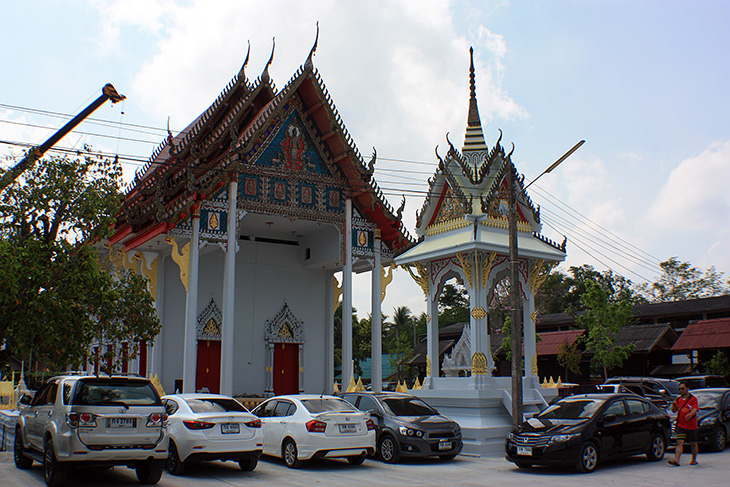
(662, 391)
(374, 413)
(609, 418)
(26, 400)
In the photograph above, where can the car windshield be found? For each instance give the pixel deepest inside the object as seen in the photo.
(407, 406)
(215, 405)
(324, 404)
(672, 386)
(572, 408)
(708, 400)
(113, 392)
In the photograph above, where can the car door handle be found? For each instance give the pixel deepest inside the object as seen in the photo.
(282, 422)
(35, 414)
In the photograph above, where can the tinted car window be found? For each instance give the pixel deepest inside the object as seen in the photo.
(616, 408)
(50, 397)
(407, 406)
(634, 388)
(171, 406)
(215, 405)
(109, 392)
(708, 400)
(636, 406)
(573, 408)
(321, 405)
(266, 410)
(367, 403)
(40, 395)
(283, 408)
(715, 382)
(67, 386)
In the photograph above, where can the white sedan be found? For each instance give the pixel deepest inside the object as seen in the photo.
(300, 427)
(211, 427)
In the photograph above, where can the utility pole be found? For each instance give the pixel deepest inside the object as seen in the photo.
(515, 301)
(108, 92)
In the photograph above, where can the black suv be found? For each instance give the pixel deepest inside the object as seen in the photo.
(659, 391)
(407, 426)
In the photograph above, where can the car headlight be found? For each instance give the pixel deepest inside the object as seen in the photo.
(406, 431)
(563, 438)
(709, 421)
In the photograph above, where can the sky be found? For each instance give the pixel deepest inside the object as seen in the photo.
(645, 84)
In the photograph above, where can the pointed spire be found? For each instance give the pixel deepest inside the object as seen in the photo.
(242, 71)
(309, 64)
(265, 74)
(474, 139)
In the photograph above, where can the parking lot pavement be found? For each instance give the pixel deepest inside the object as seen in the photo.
(714, 469)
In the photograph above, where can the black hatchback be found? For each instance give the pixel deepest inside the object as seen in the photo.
(408, 427)
(586, 429)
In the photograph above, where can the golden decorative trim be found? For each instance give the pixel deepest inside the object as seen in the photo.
(126, 262)
(422, 278)
(479, 364)
(338, 294)
(466, 265)
(503, 222)
(533, 315)
(448, 225)
(539, 272)
(478, 313)
(182, 259)
(149, 273)
(428, 366)
(534, 364)
(487, 268)
(386, 279)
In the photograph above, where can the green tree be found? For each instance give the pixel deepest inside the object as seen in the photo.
(681, 280)
(603, 320)
(569, 357)
(718, 364)
(453, 305)
(399, 339)
(53, 291)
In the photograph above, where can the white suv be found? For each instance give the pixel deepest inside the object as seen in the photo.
(87, 420)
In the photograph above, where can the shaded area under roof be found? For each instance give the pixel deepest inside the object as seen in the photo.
(706, 334)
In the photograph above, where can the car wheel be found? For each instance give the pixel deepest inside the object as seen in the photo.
(447, 457)
(718, 442)
(21, 461)
(54, 474)
(657, 448)
(588, 458)
(289, 452)
(356, 460)
(523, 464)
(248, 464)
(149, 473)
(388, 449)
(174, 465)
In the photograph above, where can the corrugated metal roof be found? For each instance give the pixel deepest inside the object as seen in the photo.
(551, 342)
(647, 337)
(706, 334)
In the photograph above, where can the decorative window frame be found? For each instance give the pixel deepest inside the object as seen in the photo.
(204, 329)
(284, 327)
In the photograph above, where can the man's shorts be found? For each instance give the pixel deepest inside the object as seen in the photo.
(690, 436)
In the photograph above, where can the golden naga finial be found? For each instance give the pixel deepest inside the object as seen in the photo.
(182, 259)
(385, 278)
(148, 272)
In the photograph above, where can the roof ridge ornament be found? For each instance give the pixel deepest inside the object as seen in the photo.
(265, 75)
(473, 110)
(309, 64)
(242, 71)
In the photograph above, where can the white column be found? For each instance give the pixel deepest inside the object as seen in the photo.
(154, 357)
(329, 336)
(376, 382)
(191, 309)
(347, 299)
(229, 293)
(432, 332)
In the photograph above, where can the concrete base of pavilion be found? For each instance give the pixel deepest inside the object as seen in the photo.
(482, 406)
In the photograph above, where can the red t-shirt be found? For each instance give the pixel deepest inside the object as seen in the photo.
(685, 405)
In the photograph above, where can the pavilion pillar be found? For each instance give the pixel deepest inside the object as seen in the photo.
(376, 377)
(191, 308)
(155, 349)
(432, 334)
(329, 336)
(528, 322)
(229, 292)
(347, 300)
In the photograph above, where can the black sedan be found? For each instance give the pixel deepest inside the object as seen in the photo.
(585, 429)
(713, 417)
(407, 426)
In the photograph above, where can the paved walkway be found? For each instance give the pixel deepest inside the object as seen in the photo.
(714, 469)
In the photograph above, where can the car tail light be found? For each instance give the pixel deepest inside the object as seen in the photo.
(83, 420)
(198, 425)
(156, 419)
(256, 423)
(315, 426)
(371, 424)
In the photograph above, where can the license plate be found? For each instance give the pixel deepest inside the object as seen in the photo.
(444, 445)
(230, 428)
(348, 428)
(121, 423)
(524, 450)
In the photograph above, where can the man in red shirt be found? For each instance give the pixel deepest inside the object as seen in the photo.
(686, 427)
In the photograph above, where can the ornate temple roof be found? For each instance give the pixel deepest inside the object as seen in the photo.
(469, 191)
(230, 136)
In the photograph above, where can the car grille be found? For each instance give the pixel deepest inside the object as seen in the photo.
(441, 434)
(528, 440)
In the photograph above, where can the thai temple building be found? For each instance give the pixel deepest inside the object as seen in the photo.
(240, 222)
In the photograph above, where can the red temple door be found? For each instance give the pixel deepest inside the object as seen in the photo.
(208, 373)
(286, 368)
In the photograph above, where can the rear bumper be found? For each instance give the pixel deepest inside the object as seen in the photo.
(327, 446)
(69, 448)
(224, 456)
